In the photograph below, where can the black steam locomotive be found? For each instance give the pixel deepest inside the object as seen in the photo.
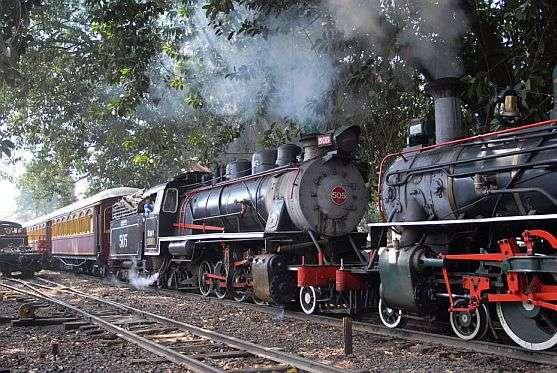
(472, 226)
(277, 229)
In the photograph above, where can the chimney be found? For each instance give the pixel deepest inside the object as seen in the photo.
(448, 120)
(554, 111)
(310, 148)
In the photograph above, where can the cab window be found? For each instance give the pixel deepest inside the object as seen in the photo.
(170, 200)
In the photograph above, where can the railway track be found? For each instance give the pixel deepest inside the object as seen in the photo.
(486, 347)
(192, 347)
(498, 349)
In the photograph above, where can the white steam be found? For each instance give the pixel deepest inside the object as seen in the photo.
(427, 30)
(138, 281)
(433, 37)
(291, 71)
(270, 77)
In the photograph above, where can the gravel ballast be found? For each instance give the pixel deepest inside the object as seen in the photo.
(309, 339)
(53, 349)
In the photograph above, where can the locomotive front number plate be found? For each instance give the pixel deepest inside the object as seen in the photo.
(338, 195)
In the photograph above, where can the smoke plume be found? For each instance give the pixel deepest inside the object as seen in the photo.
(277, 75)
(287, 72)
(428, 31)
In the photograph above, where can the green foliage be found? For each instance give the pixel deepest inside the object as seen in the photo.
(45, 185)
(195, 100)
(279, 133)
(83, 83)
(130, 39)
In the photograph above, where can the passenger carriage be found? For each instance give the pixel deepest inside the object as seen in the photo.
(77, 236)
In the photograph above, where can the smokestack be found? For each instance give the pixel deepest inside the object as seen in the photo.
(310, 148)
(448, 119)
(554, 111)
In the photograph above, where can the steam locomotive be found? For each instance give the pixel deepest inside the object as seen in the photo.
(277, 229)
(15, 255)
(472, 226)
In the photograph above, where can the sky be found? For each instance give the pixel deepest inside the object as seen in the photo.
(9, 191)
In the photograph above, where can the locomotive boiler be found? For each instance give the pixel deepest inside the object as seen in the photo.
(270, 213)
(324, 196)
(473, 226)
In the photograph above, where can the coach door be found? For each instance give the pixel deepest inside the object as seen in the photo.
(104, 230)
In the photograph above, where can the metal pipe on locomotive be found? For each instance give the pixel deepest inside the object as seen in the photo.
(473, 225)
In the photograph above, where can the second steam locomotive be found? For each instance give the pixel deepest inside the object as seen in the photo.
(472, 223)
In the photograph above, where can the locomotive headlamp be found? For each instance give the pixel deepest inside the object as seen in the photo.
(346, 138)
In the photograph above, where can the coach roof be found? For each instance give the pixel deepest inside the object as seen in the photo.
(86, 202)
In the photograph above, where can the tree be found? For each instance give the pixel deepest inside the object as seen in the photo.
(128, 92)
(45, 186)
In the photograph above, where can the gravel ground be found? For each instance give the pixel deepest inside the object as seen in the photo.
(30, 349)
(309, 339)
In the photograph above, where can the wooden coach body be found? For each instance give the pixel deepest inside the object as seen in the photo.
(78, 232)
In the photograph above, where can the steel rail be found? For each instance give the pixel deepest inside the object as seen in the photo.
(492, 348)
(158, 349)
(261, 351)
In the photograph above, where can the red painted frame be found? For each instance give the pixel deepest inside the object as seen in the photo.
(535, 293)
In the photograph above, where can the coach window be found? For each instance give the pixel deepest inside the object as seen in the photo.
(170, 200)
